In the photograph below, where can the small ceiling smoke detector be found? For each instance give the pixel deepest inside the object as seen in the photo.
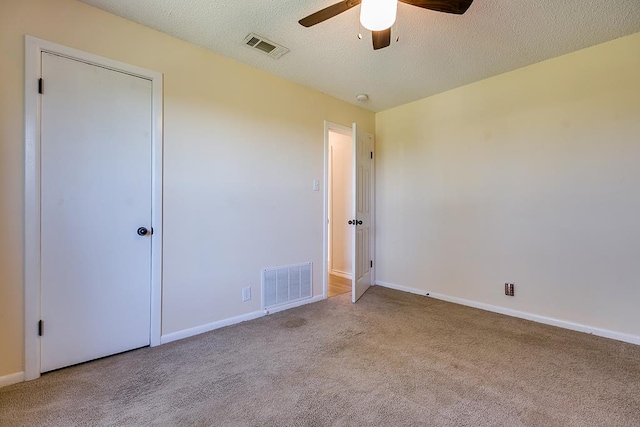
(362, 97)
(272, 49)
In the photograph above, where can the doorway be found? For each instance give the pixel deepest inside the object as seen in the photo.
(349, 211)
(340, 196)
(93, 232)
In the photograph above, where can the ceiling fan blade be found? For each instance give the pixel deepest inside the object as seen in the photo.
(328, 12)
(381, 38)
(448, 6)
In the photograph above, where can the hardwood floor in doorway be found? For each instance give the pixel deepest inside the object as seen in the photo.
(337, 285)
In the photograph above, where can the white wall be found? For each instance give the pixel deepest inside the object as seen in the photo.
(340, 203)
(242, 148)
(529, 177)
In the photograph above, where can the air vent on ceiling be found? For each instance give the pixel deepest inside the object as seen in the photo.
(272, 49)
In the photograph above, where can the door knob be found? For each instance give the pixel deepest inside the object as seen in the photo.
(358, 222)
(142, 231)
(352, 222)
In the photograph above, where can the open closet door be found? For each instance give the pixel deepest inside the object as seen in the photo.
(363, 212)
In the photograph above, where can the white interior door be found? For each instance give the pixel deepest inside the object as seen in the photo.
(363, 208)
(96, 177)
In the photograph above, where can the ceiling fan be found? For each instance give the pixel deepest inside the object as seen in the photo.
(380, 15)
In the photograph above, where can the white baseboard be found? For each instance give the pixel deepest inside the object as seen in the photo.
(342, 274)
(273, 310)
(619, 336)
(11, 379)
(186, 333)
(401, 288)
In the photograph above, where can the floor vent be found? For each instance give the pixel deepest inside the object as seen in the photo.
(283, 285)
(272, 49)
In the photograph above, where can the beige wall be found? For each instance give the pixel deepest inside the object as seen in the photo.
(242, 148)
(531, 177)
(340, 203)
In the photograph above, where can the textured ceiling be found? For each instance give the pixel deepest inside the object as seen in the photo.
(436, 51)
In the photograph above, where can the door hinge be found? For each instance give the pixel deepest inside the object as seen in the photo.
(40, 86)
(371, 264)
(40, 328)
(372, 154)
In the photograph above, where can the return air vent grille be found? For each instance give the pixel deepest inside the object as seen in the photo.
(283, 285)
(272, 49)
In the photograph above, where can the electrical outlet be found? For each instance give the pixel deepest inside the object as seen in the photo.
(246, 293)
(509, 289)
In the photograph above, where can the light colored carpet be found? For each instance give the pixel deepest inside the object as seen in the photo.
(393, 359)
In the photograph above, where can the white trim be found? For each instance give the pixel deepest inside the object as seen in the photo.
(32, 209)
(157, 221)
(401, 288)
(299, 303)
(33, 71)
(606, 333)
(373, 212)
(329, 187)
(186, 333)
(342, 274)
(345, 130)
(11, 379)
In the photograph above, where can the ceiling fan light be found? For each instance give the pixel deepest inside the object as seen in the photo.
(378, 15)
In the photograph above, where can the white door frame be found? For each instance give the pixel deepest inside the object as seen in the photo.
(33, 71)
(335, 127)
